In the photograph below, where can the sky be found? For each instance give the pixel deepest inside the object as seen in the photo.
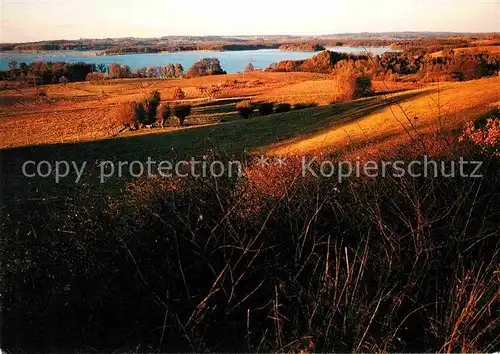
(33, 20)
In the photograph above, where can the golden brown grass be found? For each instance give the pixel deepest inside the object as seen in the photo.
(84, 111)
(444, 107)
(490, 49)
(322, 91)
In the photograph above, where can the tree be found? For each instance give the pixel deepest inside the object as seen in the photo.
(60, 69)
(245, 108)
(13, 65)
(141, 117)
(206, 66)
(181, 112)
(165, 114)
(140, 72)
(466, 68)
(350, 81)
(125, 71)
(126, 115)
(77, 71)
(249, 68)
(349, 86)
(179, 70)
(114, 70)
(151, 106)
(170, 71)
(151, 72)
(178, 94)
(101, 67)
(41, 72)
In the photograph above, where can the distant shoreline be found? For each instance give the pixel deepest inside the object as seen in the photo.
(85, 53)
(82, 53)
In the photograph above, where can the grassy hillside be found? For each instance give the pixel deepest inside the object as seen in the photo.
(443, 107)
(84, 111)
(385, 116)
(490, 49)
(382, 120)
(269, 262)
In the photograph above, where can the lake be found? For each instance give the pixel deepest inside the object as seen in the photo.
(231, 61)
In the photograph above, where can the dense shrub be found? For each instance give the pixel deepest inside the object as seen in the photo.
(245, 108)
(299, 106)
(266, 108)
(287, 66)
(282, 108)
(181, 112)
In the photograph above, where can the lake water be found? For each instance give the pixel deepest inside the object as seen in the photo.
(231, 61)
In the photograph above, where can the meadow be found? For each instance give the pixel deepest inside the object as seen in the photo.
(269, 262)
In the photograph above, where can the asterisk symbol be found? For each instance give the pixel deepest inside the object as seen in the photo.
(280, 160)
(262, 161)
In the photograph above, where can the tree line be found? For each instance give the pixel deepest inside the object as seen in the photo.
(302, 47)
(41, 73)
(451, 66)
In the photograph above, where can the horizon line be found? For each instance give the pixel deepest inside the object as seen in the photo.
(262, 35)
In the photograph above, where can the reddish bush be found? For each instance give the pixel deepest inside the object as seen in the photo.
(350, 81)
(178, 94)
(487, 137)
(125, 115)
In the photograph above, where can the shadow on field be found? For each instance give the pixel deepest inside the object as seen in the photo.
(232, 139)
